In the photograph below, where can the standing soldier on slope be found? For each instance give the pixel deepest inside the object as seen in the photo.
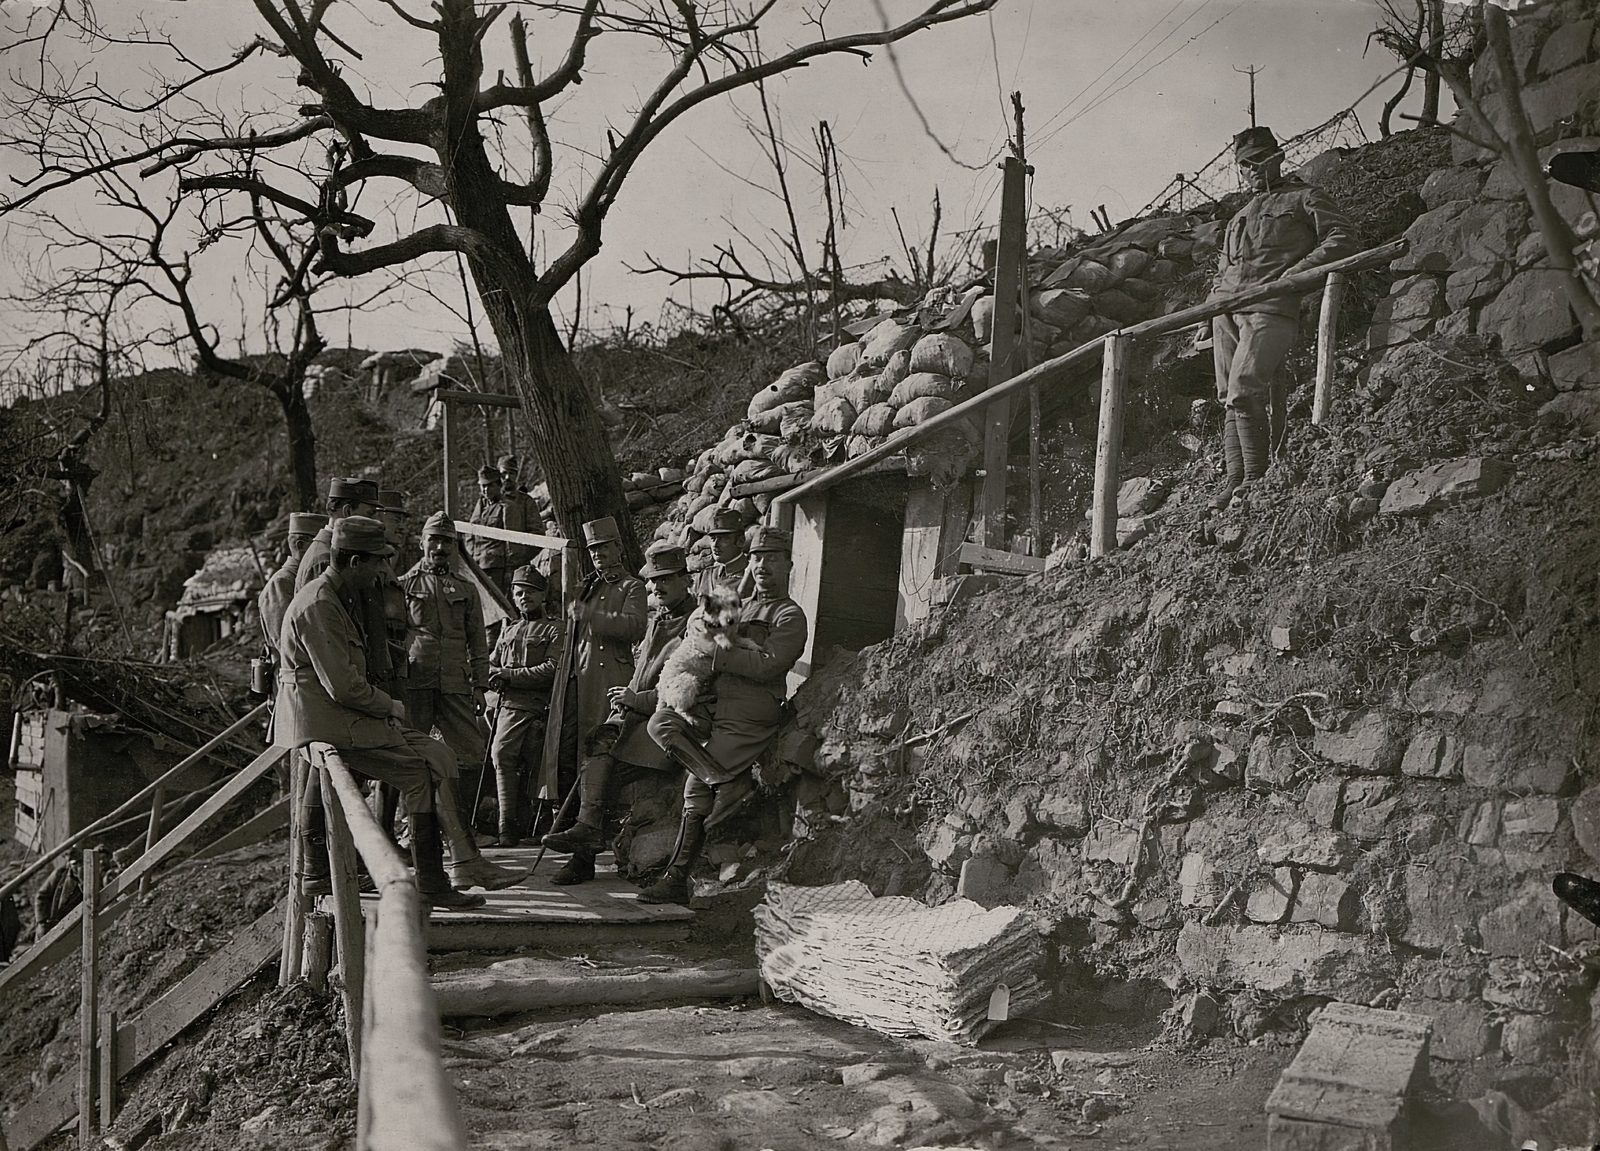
(1287, 227)
(522, 670)
(279, 590)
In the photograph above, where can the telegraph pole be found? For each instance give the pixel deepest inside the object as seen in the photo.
(1251, 72)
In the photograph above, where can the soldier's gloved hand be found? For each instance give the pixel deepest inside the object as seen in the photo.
(479, 700)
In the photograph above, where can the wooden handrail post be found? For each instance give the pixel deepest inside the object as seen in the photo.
(108, 1069)
(1108, 445)
(1327, 335)
(89, 1004)
(152, 835)
(294, 904)
(1010, 262)
(350, 937)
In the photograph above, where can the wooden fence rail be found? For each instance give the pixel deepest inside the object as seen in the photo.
(406, 1100)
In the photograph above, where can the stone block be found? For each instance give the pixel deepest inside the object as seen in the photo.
(1489, 233)
(1480, 824)
(1473, 284)
(1577, 368)
(1432, 755)
(1061, 307)
(1272, 764)
(1455, 481)
(1115, 304)
(1568, 45)
(1301, 845)
(948, 848)
(1408, 312)
(985, 880)
(1535, 816)
(1154, 914)
(1140, 495)
(1442, 904)
(1523, 924)
(1202, 1015)
(1529, 312)
(1535, 1038)
(1437, 694)
(1369, 805)
(1064, 815)
(1373, 743)
(1446, 185)
(1328, 900)
(1515, 773)
(1111, 842)
(1323, 801)
(1553, 100)
(1019, 817)
(1286, 961)
(1432, 241)
(1585, 816)
(1131, 531)
(1227, 765)
(1349, 1084)
(1461, 1030)
(1269, 901)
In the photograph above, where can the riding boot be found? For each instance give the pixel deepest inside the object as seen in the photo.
(1255, 436)
(506, 792)
(673, 887)
(594, 776)
(391, 807)
(579, 868)
(427, 856)
(468, 868)
(315, 875)
(696, 759)
(1232, 461)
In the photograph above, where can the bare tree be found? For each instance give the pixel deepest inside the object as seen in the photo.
(473, 174)
(1430, 40)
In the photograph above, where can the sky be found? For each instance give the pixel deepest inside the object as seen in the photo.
(1119, 96)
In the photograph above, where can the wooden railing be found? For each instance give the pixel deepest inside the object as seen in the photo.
(1111, 350)
(406, 1100)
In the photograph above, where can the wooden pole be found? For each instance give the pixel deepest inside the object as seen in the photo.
(1108, 445)
(565, 566)
(294, 905)
(1327, 336)
(89, 1003)
(449, 485)
(1053, 371)
(108, 1069)
(349, 933)
(152, 834)
(1003, 364)
(317, 958)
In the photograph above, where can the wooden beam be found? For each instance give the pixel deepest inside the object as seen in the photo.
(1004, 562)
(62, 941)
(505, 992)
(1003, 345)
(140, 1040)
(445, 459)
(253, 830)
(1068, 365)
(350, 935)
(1108, 445)
(108, 1070)
(1327, 337)
(152, 834)
(565, 577)
(294, 903)
(532, 539)
(480, 399)
(89, 1003)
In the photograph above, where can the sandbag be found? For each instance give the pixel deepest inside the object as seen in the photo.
(982, 317)
(862, 393)
(1062, 307)
(921, 384)
(920, 411)
(874, 421)
(749, 471)
(746, 507)
(760, 447)
(705, 520)
(897, 369)
(943, 354)
(795, 419)
(834, 418)
(766, 421)
(794, 384)
(860, 445)
(890, 336)
(694, 483)
(792, 458)
(698, 506)
(669, 475)
(843, 359)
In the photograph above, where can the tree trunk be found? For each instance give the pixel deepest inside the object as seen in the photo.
(567, 436)
(302, 446)
(1394, 102)
(1430, 81)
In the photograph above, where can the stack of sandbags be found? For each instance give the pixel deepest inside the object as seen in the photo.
(642, 489)
(893, 964)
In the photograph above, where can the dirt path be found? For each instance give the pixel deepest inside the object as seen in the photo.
(749, 1075)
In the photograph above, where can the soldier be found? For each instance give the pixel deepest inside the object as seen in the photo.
(346, 497)
(396, 522)
(622, 740)
(1287, 227)
(279, 590)
(510, 471)
(522, 670)
(730, 562)
(447, 654)
(392, 515)
(610, 614)
(498, 558)
(750, 688)
(324, 695)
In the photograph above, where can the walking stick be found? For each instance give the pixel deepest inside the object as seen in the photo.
(566, 805)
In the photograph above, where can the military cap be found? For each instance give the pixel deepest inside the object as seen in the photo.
(601, 531)
(1256, 144)
(509, 463)
(530, 576)
(361, 534)
(664, 559)
(489, 473)
(439, 524)
(771, 540)
(306, 523)
(352, 488)
(726, 521)
(392, 501)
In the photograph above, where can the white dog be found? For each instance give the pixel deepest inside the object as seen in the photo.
(689, 668)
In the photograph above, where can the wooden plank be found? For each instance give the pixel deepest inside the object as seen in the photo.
(919, 554)
(1108, 445)
(108, 1069)
(1327, 338)
(446, 416)
(62, 938)
(995, 560)
(805, 581)
(478, 399)
(294, 904)
(532, 539)
(1003, 363)
(507, 992)
(253, 830)
(1069, 364)
(158, 1025)
(564, 573)
(89, 1003)
(957, 522)
(349, 931)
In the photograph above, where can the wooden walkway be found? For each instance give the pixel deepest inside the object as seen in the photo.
(537, 913)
